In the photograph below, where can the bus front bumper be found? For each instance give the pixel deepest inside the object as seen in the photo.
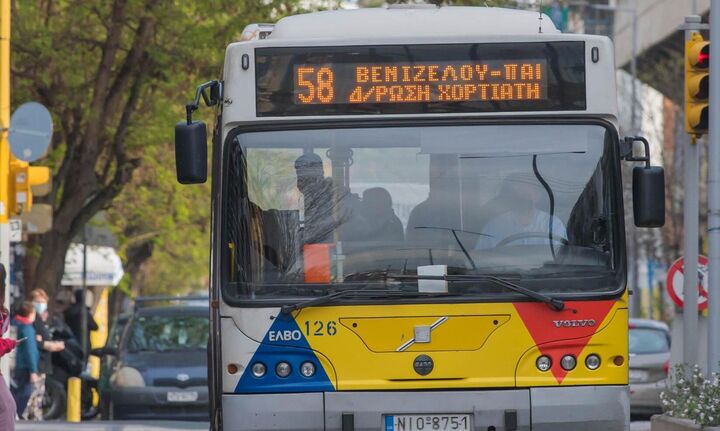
(587, 408)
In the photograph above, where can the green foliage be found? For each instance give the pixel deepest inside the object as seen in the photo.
(154, 208)
(173, 220)
(132, 103)
(691, 395)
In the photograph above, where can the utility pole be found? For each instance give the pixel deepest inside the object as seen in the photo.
(691, 215)
(713, 352)
(5, 151)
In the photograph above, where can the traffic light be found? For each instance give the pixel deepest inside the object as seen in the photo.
(22, 178)
(697, 84)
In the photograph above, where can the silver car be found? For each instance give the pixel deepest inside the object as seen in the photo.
(648, 366)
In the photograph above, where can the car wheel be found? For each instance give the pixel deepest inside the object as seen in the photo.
(54, 400)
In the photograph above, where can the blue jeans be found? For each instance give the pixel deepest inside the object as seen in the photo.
(23, 389)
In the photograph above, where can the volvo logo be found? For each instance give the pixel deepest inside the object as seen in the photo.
(182, 377)
(423, 365)
(574, 323)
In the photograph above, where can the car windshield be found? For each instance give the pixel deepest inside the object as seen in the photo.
(647, 340)
(308, 211)
(168, 333)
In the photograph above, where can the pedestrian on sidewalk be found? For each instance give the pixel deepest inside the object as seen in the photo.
(27, 355)
(73, 318)
(7, 403)
(46, 345)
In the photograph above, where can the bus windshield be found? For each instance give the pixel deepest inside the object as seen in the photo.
(310, 212)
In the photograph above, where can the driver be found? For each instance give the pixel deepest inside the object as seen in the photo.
(522, 223)
(328, 207)
(318, 193)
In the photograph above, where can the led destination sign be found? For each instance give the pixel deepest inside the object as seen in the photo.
(416, 79)
(420, 82)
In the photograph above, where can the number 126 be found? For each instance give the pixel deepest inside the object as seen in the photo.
(319, 328)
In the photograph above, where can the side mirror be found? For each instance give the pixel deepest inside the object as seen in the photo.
(648, 186)
(191, 152)
(649, 196)
(191, 137)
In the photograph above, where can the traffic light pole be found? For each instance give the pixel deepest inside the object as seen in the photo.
(691, 215)
(5, 153)
(713, 352)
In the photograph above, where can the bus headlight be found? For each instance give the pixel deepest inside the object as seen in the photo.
(127, 377)
(568, 362)
(543, 363)
(258, 369)
(283, 369)
(592, 361)
(307, 369)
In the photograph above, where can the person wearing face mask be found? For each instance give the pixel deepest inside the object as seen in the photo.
(522, 223)
(45, 343)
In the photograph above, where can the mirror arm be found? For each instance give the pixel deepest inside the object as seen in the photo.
(627, 150)
(211, 100)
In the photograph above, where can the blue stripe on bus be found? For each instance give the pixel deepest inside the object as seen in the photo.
(293, 349)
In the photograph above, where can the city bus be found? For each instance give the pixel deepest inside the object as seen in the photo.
(418, 224)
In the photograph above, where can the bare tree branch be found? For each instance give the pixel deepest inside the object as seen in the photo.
(96, 117)
(117, 146)
(132, 61)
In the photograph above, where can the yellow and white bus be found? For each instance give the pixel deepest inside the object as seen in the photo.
(418, 224)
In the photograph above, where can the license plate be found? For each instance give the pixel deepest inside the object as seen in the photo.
(638, 375)
(182, 397)
(434, 422)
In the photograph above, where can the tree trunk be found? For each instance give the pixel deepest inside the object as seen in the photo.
(137, 256)
(48, 271)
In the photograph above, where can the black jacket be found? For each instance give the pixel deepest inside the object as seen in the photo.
(42, 330)
(73, 318)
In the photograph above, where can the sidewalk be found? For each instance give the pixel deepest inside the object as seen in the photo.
(111, 426)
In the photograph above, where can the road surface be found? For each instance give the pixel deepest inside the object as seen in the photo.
(163, 426)
(112, 426)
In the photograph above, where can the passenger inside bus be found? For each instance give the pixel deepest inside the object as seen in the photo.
(523, 223)
(381, 221)
(432, 220)
(317, 194)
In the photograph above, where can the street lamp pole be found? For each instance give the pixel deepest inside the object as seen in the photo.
(83, 308)
(691, 216)
(5, 152)
(713, 353)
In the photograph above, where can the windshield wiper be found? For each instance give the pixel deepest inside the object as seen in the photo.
(372, 293)
(457, 240)
(554, 303)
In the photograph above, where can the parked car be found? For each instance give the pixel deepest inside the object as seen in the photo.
(109, 358)
(157, 366)
(648, 366)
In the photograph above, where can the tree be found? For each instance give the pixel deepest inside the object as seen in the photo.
(163, 228)
(108, 71)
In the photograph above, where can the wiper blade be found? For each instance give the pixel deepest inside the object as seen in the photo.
(372, 293)
(554, 303)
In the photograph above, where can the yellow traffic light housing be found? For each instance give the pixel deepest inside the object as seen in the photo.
(22, 178)
(697, 84)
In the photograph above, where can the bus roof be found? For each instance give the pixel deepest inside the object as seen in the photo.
(413, 25)
(408, 20)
